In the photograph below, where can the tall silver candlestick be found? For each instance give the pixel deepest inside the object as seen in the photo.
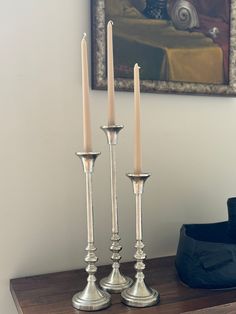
(91, 298)
(116, 281)
(139, 294)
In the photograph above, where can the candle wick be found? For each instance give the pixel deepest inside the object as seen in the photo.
(84, 36)
(111, 22)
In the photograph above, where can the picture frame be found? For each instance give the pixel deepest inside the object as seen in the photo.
(99, 80)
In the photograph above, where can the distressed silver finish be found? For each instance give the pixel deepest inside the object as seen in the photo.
(91, 298)
(184, 15)
(139, 294)
(116, 281)
(99, 63)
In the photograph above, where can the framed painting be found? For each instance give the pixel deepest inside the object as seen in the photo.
(182, 46)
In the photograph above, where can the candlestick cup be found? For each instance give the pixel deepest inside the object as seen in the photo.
(139, 294)
(91, 298)
(116, 281)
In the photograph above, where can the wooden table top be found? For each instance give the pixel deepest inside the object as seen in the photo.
(52, 293)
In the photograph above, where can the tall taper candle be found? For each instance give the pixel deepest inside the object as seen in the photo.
(85, 91)
(137, 118)
(110, 75)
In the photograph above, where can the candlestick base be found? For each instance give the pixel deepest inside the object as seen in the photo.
(115, 282)
(91, 299)
(139, 295)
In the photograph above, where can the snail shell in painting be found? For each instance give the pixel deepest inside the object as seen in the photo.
(183, 14)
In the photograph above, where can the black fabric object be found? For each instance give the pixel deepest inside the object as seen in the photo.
(232, 217)
(206, 255)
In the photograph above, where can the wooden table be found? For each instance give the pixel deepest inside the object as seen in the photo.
(52, 293)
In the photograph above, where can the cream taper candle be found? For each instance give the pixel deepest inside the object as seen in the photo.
(110, 75)
(85, 92)
(137, 122)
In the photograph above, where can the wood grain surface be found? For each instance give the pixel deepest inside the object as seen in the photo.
(52, 293)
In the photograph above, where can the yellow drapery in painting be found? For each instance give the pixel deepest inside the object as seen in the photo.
(163, 52)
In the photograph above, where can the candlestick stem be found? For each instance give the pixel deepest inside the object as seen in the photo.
(116, 281)
(91, 298)
(139, 294)
(139, 217)
(88, 176)
(114, 206)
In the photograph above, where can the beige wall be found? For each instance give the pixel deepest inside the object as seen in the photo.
(188, 143)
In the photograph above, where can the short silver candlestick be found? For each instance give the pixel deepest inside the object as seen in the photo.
(139, 294)
(91, 298)
(116, 281)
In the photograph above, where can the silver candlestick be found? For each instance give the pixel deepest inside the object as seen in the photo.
(116, 281)
(139, 294)
(91, 298)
